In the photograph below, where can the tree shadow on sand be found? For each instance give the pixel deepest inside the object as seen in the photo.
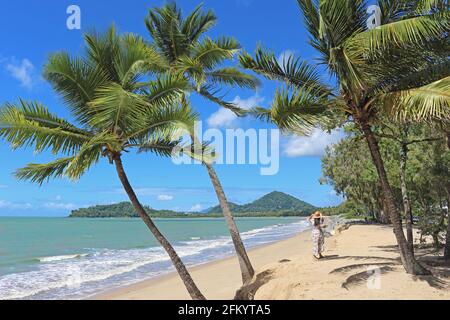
(439, 269)
(437, 265)
(337, 257)
(361, 265)
(362, 277)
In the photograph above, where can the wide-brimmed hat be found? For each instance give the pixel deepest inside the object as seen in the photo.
(317, 215)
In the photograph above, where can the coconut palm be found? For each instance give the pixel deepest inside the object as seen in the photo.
(181, 43)
(430, 102)
(371, 67)
(114, 110)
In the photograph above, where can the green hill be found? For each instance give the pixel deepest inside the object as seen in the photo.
(122, 209)
(275, 204)
(272, 202)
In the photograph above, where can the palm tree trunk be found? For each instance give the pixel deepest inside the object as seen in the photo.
(179, 265)
(407, 256)
(447, 236)
(406, 203)
(447, 239)
(247, 271)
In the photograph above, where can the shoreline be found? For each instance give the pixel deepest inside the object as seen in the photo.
(172, 277)
(286, 270)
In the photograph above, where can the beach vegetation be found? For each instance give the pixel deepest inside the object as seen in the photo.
(403, 62)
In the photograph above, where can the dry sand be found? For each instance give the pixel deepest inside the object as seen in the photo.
(287, 271)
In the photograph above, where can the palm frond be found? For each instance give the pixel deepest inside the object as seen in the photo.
(232, 77)
(159, 146)
(103, 50)
(202, 152)
(429, 102)
(164, 26)
(211, 53)
(31, 124)
(75, 81)
(192, 69)
(212, 95)
(163, 123)
(40, 173)
(115, 109)
(408, 32)
(340, 19)
(166, 90)
(197, 23)
(410, 74)
(311, 16)
(90, 153)
(136, 59)
(299, 112)
(292, 71)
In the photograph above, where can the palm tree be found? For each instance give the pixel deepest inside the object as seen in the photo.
(115, 109)
(419, 105)
(397, 60)
(197, 59)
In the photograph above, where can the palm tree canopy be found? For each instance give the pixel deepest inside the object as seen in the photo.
(405, 58)
(186, 50)
(116, 100)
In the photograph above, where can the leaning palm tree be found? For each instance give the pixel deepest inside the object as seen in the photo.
(369, 66)
(114, 111)
(198, 59)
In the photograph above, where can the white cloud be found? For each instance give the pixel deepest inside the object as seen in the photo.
(285, 55)
(196, 208)
(22, 72)
(226, 118)
(156, 191)
(313, 145)
(60, 206)
(15, 206)
(165, 197)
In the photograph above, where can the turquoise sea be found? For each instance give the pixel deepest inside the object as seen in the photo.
(62, 258)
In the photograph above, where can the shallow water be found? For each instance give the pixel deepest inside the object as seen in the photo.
(61, 258)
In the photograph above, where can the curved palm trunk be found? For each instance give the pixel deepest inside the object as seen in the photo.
(447, 237)
(179, 265)
(407, 256)
(247, 271)
(406, 203)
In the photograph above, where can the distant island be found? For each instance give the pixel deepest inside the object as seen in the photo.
(274, 204)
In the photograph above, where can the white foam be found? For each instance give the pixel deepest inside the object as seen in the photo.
(60, 258)
(71, 273)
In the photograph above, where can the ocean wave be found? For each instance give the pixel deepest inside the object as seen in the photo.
(69, 275)
(63, 257)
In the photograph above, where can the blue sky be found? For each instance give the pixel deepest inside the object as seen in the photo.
(31, 30)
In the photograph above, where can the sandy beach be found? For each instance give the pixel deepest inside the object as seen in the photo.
(361, 263)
